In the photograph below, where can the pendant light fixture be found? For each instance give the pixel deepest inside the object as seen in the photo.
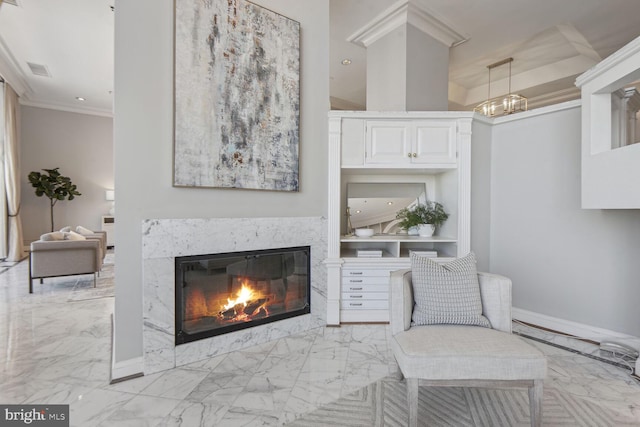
(502, 105)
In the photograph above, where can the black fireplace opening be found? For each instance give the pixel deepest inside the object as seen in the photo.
(221, 293)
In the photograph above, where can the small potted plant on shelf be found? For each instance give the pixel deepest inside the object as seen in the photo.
(422, 219)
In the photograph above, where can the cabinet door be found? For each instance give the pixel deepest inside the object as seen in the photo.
(435, 143)
(388, 142)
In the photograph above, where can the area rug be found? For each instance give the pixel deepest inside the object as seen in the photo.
(383, 403)
(83, 288)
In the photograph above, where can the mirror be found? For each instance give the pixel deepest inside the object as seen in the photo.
(375, 205)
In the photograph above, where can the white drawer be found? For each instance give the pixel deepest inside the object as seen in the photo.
(365, 280)
(357, 287)
(369, 296)
(364, 272)
(364, 305)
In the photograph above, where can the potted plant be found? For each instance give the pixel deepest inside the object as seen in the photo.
(423, 218)
(53, 185)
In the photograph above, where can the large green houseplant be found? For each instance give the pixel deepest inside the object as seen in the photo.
(53, 185)
(431, 213)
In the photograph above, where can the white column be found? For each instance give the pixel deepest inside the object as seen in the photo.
(407, 59)
(333, 261)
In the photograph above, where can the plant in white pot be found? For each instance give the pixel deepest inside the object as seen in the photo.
(425, 217)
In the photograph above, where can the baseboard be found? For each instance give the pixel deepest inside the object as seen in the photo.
(126, 369)
(588, 332)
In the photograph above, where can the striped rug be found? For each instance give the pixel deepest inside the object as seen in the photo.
(384, 404)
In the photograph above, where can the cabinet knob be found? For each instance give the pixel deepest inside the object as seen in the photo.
(409, 154)
(415, 155)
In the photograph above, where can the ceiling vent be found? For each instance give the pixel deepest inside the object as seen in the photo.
(11, 2)
(38, 69)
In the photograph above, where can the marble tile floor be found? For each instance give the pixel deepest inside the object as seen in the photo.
(57, 350)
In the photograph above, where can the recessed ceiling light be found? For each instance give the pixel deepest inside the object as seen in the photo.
(346, 61)
(79, 98)
(389, 203)
(358, 211)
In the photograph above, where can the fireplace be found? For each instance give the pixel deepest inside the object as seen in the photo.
(226, 292)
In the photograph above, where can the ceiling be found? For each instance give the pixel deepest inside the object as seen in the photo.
(551, 42)
(72, 39)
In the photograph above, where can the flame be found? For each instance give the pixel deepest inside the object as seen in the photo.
(245, 294)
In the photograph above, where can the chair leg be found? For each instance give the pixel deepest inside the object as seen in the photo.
(535, 403)
(412, 399)
(30, 275)
(94, 280)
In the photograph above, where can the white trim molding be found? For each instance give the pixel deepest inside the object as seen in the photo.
(401, 13)
(569, 327)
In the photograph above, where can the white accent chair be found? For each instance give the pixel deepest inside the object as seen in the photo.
(464, 356)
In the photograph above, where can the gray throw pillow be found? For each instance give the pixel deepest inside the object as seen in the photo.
(446, 293)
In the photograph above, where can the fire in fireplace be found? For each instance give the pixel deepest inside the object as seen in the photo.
(221, 293)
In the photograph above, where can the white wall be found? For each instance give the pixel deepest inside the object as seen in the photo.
(565, 262)
(481, 193)
(81, 146)
(144, 136)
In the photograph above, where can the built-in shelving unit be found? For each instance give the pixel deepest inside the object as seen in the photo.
(430, 150)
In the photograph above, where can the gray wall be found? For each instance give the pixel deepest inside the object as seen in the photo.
(81, 146)
(565, 262)
(144, 136)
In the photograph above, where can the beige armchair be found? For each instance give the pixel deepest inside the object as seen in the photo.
(464, 356)
(64, 258)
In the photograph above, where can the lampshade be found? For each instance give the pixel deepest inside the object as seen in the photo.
(110, 195)
(501, 105)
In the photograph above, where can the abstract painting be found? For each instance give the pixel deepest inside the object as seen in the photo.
(237, 96)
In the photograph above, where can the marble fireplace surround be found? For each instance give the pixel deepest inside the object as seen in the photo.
(164, 239)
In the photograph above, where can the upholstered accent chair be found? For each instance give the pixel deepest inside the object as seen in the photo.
(440, 355)
(64, 258)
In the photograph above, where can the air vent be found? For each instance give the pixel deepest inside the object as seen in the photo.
(38, 69)
(11, 2)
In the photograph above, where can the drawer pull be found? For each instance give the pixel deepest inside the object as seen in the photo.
(355, 296)
(353, 304)
(355, 273)
(355, 281)
(355, 289)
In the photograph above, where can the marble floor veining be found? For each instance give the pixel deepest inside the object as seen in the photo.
(55, 347)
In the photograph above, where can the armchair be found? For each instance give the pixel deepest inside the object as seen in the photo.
(464, 356)
(64, 258)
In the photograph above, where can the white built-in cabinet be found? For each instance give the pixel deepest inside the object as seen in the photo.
(433, 148)
(410, 143)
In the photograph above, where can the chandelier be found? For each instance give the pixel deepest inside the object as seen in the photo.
(501, 105)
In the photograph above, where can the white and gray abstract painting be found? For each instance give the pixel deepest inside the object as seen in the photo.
(237, 96)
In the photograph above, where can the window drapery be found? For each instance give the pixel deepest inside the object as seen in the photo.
(15, 250)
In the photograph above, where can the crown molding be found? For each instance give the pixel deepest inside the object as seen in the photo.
(68, 108)
(626, 52)
(11, 72)
(404, 12)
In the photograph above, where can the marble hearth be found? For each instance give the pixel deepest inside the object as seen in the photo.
(164, 239)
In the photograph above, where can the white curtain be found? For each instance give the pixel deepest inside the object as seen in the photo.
(3, 200)
(15, 251)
